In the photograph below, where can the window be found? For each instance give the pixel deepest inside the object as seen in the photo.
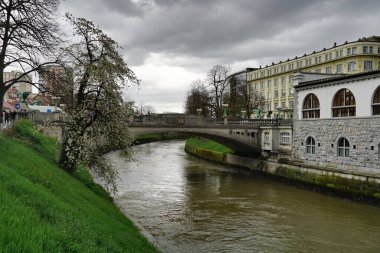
(339, 69)
(367, 65)
(351, 66)
(348, 51)
(310, 145)
(329, 70)
(284, 138)
(339, 54)
(283, 92)
(367, 49)
(354, 50)
(269, 85)
(378, 50)
(343, 147)
(262, 85)
(318, 71)
(310, 107)
(283, 80)
(256, 86)
(344, 104)
(376, 102)
(269, 95)
(275, 82)
(266, 137)
(276, 94)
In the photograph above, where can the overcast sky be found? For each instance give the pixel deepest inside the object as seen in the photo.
(171, 43)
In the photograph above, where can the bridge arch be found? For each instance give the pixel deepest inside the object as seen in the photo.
(242, 146)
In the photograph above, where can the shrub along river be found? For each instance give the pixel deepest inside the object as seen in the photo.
(190, 205)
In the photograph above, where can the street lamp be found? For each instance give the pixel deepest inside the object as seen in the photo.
(225, 106)
(243, 114)
(199, 111)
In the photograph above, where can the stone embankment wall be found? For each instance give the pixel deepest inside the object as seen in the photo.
(362, 187)
(362, 134)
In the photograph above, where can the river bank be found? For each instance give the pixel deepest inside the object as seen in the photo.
(361, 188)
(45, 209)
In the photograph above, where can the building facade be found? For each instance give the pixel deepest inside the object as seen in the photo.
(12, 96)
(274, 82)
(50, 81)
(337, 121)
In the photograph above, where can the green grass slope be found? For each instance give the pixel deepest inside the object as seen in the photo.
(207, 144)
(44, 209)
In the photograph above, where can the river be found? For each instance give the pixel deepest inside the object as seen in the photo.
(190, 205)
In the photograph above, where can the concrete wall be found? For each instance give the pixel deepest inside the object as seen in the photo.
(273, 144)
(363, 133)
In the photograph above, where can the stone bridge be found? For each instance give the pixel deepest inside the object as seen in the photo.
(243, 136)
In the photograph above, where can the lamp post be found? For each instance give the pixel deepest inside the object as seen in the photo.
(243, 114)
(199, 111)
(225, 106)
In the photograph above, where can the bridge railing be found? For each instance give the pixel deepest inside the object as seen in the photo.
(195, 120)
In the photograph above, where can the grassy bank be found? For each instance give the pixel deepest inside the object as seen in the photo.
(44, 209)
(145, 138)
(208, 145)
(207, 149)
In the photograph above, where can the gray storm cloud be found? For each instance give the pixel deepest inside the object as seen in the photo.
(196, 34)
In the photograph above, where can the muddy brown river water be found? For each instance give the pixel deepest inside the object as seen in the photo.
(190, 205)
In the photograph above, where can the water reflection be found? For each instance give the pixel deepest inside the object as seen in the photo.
(191, 205)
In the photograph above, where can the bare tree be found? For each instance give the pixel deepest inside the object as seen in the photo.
(146, 109)
(28, 34)
(97, 124)
(216, 81)
(198, 98)
(251, 99)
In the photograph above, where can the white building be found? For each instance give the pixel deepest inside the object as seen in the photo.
(337, 121)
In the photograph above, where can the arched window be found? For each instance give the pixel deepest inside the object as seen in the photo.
(376, 102)
(344, 104)
(343, 147)
(310, 107)
(310, 145)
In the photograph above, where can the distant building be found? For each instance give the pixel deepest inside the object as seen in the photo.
(12, 96)
(337, 121)
(274, 81)
(51, 79)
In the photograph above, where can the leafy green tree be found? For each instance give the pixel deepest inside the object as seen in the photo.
(97, 122)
